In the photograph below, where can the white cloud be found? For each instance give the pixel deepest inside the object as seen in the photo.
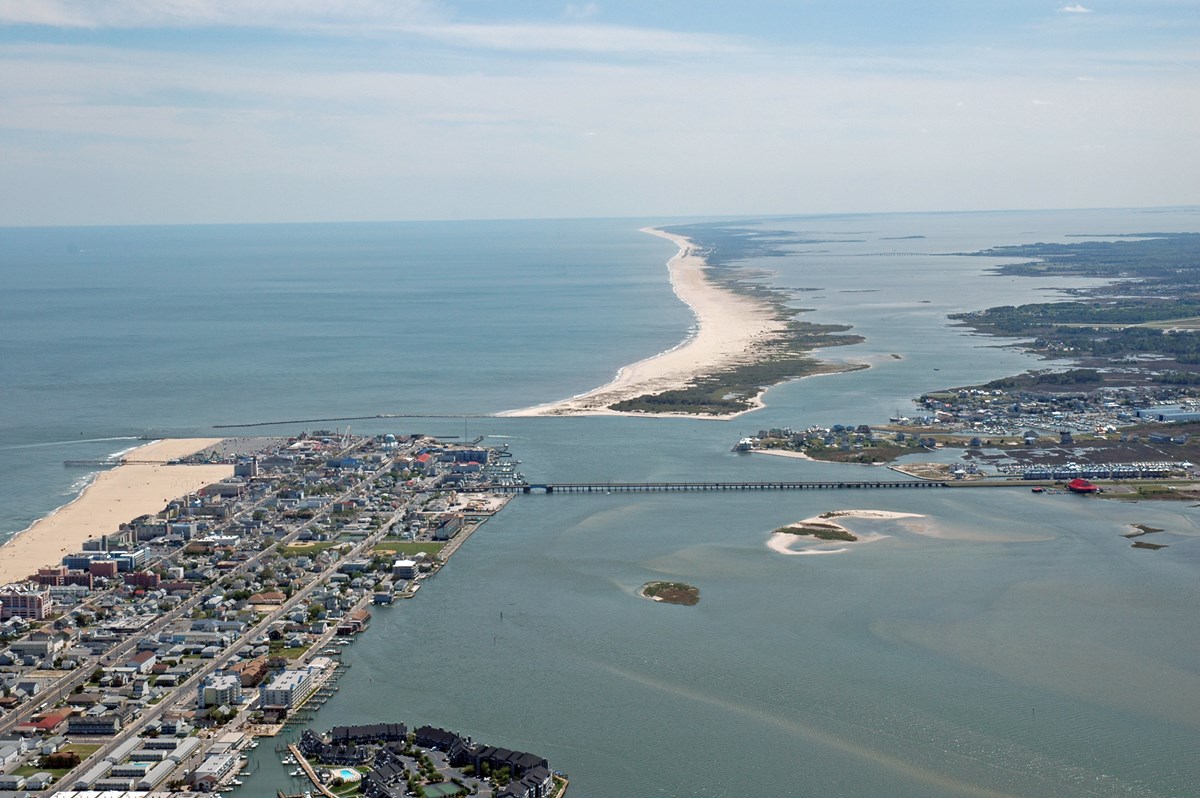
(414, 18)
(612, 39)
(294, 131)
(579, 11)
(289, 14)
(1075, 9)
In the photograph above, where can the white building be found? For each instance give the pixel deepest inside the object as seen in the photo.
(219, 688)
(288, 689)
(210, 772)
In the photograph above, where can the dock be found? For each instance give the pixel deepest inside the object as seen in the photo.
(308, 771)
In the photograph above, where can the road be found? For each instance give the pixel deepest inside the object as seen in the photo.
(187, 688)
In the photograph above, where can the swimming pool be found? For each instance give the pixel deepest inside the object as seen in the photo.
(348, 775)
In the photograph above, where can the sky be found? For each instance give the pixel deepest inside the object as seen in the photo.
(212, 111)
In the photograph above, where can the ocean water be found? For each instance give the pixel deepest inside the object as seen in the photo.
(1002, 644)
(114, 332)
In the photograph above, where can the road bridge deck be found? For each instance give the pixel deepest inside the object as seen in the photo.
(664, 487)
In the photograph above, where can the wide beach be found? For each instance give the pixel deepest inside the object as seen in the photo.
(730, 327)
(116, 497)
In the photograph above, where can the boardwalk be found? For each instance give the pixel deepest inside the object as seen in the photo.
(665, 487)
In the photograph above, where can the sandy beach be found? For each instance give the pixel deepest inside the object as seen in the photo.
(729, 326)
(786, 543)
(115, 497)
(783, 453)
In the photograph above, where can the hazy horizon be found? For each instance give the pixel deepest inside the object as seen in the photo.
(666, 219)
(215, 111)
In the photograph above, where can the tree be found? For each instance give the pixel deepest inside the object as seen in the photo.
(60, 759)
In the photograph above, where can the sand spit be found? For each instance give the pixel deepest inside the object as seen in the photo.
(786, 543)
(115, 497)
(729, 327)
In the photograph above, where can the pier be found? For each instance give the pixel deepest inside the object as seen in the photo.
(666, 487)
(310, 772)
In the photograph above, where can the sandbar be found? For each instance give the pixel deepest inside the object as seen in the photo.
(786, 543)
(730, 327)
(115, 497)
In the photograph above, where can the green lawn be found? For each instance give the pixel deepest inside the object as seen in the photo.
(278, 649)
(84, 752)
(409, 548)
(29, 770)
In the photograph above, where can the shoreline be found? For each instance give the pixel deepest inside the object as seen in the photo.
(111, 498)
(785, 542)
(786, 453)
(729, 326)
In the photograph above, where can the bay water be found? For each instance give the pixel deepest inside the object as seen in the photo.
(1002, 644)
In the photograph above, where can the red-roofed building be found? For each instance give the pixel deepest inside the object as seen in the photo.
(1081, 485)
(46, 723)
(268, 597)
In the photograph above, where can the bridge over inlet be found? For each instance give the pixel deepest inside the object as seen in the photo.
(664, 487)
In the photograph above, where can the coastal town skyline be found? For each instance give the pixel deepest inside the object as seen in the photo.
(212, 112)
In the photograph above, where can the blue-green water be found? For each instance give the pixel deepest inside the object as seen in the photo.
(1007, 644)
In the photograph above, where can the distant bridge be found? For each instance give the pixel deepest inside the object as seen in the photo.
(665, 487)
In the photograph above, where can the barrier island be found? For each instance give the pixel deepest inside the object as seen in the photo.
(746, 338)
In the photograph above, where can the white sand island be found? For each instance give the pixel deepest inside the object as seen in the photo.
(730, 330)
(116, 497)
(799, 543)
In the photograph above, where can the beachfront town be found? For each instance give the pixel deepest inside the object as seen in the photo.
(150, 661)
